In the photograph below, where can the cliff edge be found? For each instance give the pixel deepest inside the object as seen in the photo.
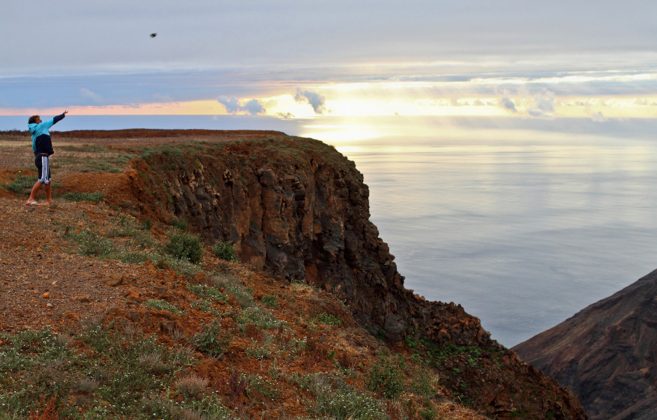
(299, 210)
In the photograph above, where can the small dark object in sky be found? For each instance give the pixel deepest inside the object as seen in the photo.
(154, 34)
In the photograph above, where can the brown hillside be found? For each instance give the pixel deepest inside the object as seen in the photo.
(293, 208)
(606, 353)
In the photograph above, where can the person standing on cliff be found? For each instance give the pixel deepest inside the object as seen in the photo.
(42, 148)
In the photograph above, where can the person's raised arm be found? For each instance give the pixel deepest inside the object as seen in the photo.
(59, 117)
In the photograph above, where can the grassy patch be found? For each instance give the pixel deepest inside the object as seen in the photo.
(182, 267)
(163, 305)
(91, 244)
(386, 377)
(99, 374)
(225, 251)
(83, 148)
(327, 319)
(270, 301)
(166, 151)
(205, 306)
(261, 351)
(336, 399)
(262, 386)
(209, 292)
(259, 317)
(209, 341)
(439, 355)
(103, 162)
(242, 294)
(22, 184)
(133, 257)
(94, 197)
(128, 227)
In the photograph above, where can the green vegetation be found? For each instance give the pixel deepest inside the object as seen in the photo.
(209, 341)
(327, 319)
(117, 375)
(259, 317)
(91, 244)
(83, 148)
(133, 257)
(242, 294)
(225, 251)
(185, 246)
(260, 385)
(179, 224)
(205, 306)
(129, 227)
(337, 399)
(209, 292)
(94, 197)
(101, 160)
(182, 267)
(439, 355)
(166, 151)
(270, 301)
(22, 184)
(261, 351)
(386, 377)
(162, 305)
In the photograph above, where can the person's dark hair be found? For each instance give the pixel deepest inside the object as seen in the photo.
(32, 119)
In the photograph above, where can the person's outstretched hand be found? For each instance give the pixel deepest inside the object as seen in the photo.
(65, 112)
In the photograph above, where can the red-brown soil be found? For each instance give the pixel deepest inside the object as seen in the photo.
(45, 282)
(297, 211)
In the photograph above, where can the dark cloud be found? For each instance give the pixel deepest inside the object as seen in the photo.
(315, 100)
(254, 107)
(235, 106)
(508, 104)
(232, 105)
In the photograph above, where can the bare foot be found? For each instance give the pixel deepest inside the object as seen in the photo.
(32, 203)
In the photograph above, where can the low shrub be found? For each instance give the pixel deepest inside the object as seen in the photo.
(209, 342)
(191, 386)
(386, 378)
(201, 290)
(259, 317)
(270, 301)
(327, 319)
(225, 251)
(185, 246)
(93, 245)
(338, 400)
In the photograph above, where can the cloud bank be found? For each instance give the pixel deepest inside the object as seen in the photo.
(235, 106)
(316, 101)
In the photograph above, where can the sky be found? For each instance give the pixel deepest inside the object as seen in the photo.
(305, 60)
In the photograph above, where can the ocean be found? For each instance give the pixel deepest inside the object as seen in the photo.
(522, 221)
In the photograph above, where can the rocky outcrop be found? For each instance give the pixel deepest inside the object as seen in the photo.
(298, 209)
(607, 353)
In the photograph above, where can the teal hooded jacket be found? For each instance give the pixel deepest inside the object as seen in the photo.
(42, 128)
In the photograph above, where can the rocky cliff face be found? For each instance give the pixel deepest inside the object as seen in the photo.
(607, 353)
(299, 209)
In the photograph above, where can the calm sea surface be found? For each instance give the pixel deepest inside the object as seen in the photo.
(523, 223)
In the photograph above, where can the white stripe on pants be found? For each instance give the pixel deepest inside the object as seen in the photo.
(45, 170)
